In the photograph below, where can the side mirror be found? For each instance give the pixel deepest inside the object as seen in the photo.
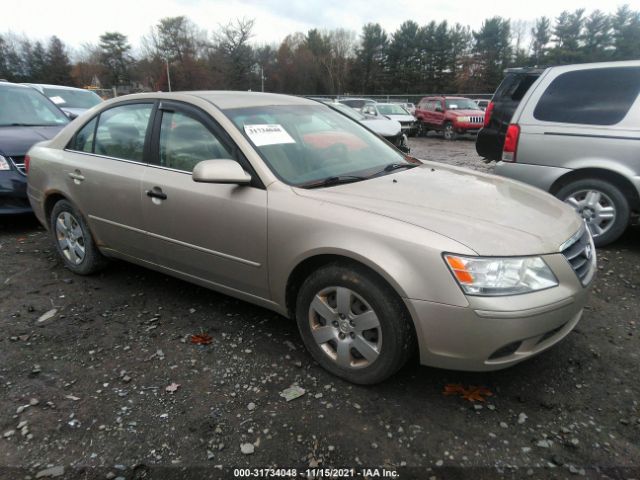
(70, 115)
(220, 171)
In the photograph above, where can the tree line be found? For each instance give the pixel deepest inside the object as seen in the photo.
(436, 57)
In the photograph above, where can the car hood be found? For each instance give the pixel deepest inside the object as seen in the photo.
(467, 113)
(16, 141)
(491, 215)
(402, 118)
(383, 126)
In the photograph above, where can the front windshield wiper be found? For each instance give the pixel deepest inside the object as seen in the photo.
(335, 180)
(391, 167)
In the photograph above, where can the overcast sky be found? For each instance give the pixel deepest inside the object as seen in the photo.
(77, 22)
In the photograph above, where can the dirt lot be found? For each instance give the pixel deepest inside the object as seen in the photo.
(83, 394)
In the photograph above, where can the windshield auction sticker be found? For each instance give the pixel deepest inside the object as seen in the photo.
(272, 134)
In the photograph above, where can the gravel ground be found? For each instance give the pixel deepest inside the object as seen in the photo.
(110, 385)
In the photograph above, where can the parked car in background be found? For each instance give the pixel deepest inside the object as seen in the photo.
(394, 112)
(26, 117)
(576, 134)
(482, 103)
(287, 204)
(356, 103)
(390, 129)
(72, 101)
(499, 111)
(450, 115)
(409, 107)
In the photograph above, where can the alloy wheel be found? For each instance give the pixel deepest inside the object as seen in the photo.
(596, 208)
(345, 327)
(70, 237)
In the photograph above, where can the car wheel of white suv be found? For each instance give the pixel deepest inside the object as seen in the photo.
(602, 205)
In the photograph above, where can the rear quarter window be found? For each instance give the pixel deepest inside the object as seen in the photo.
(600, 96)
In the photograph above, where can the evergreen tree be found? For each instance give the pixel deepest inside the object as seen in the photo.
(370, 59)
(541, 35)
(115, 58)
(493, 51)
(57, 66)
(626, 34)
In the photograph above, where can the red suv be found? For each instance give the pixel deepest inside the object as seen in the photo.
(452, 115)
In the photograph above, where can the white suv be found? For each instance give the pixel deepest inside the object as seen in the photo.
(576, 134)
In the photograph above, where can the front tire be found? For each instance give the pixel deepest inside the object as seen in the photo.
(449, 131)
(353, 324)
(601, 204)
(73, 240)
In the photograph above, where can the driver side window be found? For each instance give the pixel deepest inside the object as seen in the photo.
(185, 141)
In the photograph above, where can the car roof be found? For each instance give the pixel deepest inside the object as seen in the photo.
(11, 84)
(224, 99)
(55, 87)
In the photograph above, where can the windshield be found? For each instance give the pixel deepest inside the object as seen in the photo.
(460, 104)
(24, 106)
(392, 109)
(72, 98)
(304, 144)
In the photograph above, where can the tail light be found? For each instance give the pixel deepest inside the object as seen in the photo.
(487, 114)
(511, 143)
(27, 162)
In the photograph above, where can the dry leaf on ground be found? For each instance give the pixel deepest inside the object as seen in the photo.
(201, 339)
(473, 393)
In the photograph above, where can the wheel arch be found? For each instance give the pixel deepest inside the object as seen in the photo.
(616, 178)
(311, 263)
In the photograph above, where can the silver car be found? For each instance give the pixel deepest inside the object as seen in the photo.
(575, 134)
(285, 203)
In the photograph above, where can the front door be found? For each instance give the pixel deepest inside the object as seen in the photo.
(211, 232)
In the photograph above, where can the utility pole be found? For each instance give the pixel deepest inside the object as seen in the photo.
(262, 77)
(168, 74)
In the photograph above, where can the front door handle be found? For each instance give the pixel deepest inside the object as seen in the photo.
(76, 176)
(156, 192)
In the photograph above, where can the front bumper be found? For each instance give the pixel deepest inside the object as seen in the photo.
(467, 127)
(496, 332)
(13, 193)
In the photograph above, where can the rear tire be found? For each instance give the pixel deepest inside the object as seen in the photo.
(73, 240)
(601, 204)
(354, 324)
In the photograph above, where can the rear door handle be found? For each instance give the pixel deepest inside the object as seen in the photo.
(156, 193)
(77, 176)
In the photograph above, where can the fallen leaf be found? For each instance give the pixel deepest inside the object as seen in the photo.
(473, 393)
(201, 339)
(453, 389)
(173, 387)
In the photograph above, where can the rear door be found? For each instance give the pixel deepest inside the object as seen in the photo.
(103, 170)
(211, 232)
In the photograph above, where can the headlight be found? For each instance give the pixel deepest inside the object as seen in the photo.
(464, 119)
(492, 276)
(4, 163)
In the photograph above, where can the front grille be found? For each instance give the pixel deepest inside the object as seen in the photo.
(19, 164)
(581, 255)
(406, 124)
(477, 119)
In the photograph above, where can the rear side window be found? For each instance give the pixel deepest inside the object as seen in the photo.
(83, 140)
(122, 130)
(600, 96)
